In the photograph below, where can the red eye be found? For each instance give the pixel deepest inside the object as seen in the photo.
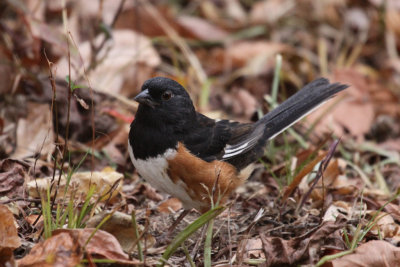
(166, 95)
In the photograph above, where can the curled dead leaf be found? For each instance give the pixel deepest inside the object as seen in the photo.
(35, 132)
(201, 29)
(59, 250)
(66, 247)
(120, 226)
(12, 178)
(375, 253)
(280, 252)
(122, 55)
(9, 239)
(170, 205)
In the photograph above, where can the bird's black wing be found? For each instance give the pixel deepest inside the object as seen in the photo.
(242, 143)
(208, 138)
(243, 149)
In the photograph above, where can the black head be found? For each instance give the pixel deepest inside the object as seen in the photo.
(164, 101)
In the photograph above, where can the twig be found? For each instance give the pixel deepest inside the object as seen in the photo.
(97, 49)
(65, 149)
(34, 200)
(320, 173)
(171, 32)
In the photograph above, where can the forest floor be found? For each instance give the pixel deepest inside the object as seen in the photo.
(326, 192)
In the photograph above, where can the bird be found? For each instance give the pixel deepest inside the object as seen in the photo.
(199, 160)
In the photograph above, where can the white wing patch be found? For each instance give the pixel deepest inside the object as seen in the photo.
(233, 150)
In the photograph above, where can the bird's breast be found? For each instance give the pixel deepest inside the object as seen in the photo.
(155, 171)
(187, 177)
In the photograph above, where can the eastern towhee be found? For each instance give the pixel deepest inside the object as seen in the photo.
(186, 154)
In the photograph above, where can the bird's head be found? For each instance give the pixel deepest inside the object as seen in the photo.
(164, 100)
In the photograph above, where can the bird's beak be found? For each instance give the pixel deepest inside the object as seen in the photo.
(145, 98)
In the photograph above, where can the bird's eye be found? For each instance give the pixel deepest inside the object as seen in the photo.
(166, 95)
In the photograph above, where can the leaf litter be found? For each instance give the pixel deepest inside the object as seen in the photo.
(282, 215)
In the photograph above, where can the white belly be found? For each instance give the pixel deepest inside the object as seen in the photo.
(155, 172)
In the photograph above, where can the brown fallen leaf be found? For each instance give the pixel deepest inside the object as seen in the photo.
(375, 253)
(171, 204)
(123, 55)
(240, 102)
(353, 110)
(280, 252)
(274, 8)
(201, 29)
(120, 226)
(254, 249)
(48, 33)
(385, 225)
(59, 250)
(35, 132)
(12, 178)
(392, 16)
(329, 177)
(130, 16)
(101, 244)
(66, 247)
(337, 208)
(306, 170)
(255, 56)
(147, 191)
(9, 239)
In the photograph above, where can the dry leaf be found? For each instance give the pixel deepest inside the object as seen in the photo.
(269, 11)
(49, 33)
(120, 226)
(201, 29)
(253, 56)
(81, 181)
(242, 52)
(9, 239)
(35, 132)
(138, 19)
(280, 252)
(338, 208)
(65, 248)
(12, 178)
(254, 249)
(385, 226)
(354, 110)
(118, 60)
(147, 191)
(170, 205)
(59, 250)
(235, 11)
(375, 253)
(328, 178)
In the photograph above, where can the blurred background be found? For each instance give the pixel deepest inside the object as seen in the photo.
(69, 70)
(223, 52)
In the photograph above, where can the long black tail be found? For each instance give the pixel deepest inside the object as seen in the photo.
(298, 105)
(246, 150)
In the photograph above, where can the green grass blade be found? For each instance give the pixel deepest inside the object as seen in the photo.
(190, 229)
(86, 207)
(207, 244)
(136, 229)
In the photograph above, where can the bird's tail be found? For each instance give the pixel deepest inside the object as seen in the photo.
(298, 105)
